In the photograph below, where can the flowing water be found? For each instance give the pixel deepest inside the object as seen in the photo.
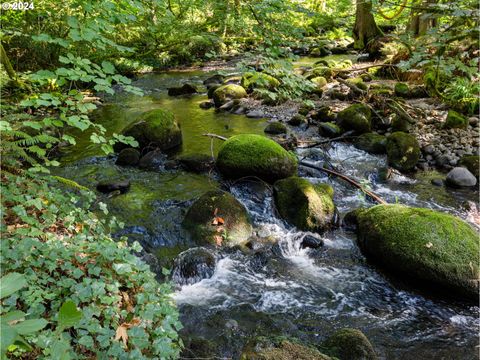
(279, 289)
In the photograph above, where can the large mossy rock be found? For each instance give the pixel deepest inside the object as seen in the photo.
(403, 151)
(228, 92)
(356, 117)
(201, 224)
(472, 163)
(258, 80)
(349, 344)
(455, 120)
(280, 348)
(275, 128)
(157, 129)
(422, 245)
(371, 143)
(308, 207)
(255, 155)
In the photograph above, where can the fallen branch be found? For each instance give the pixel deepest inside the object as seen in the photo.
(399, 110)
(216, 136)
(356, 90)
(375, 197)
(346, 135)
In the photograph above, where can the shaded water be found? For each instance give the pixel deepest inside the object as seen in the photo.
(279, 289)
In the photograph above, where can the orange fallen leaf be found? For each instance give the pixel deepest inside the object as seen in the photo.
(220, 220)
(214, 221)
(121, 334)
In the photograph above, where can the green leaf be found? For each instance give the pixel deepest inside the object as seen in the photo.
(13, 315)
(61, 350)
(11, 283)
(108, 67)
(9, 335)
(30, 326)
(68, 315)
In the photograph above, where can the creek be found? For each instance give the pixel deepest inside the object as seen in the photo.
(282, 289)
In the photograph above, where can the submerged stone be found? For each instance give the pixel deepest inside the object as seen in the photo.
(255, 155)
(193, 265)
(304, 205)
(280, 348)
(109, 186)
(196, 162)
(217, 218)
(185, 89)
(349, 344)
(422, 245)
(128, 157)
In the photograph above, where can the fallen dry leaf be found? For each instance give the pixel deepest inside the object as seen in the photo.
(218, 240)
(121, 333)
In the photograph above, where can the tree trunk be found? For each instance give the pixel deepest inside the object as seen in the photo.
(420, 19)
(365, 28)
(6, 63)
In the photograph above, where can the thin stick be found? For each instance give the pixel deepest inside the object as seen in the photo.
(343, 137)
(375, 197)
(216, 136)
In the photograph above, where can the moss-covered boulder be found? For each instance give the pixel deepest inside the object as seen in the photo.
(323, 71)
(157, 129)
(258, 80)
(349, 344)
(403, 151)
(128, 157)
(402, 90)
(323, 113)
(319, 82)
(400, 123)
(371, 143)
(228, 92)
(297, 120)
(218, 218)
(329, 129)
(472, 163)
(422, 245)
(455, 120)
(275, 128)
(358, 82)
(356, 117)
(280, 348)
(304, 205)
(255, 155)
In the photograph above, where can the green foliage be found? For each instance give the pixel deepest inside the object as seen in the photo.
(79, 279)
(463, 95)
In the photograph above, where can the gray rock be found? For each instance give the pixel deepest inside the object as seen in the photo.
(437, 182)
(429, 149)
(460, 177)
(109, 186)
(255, 114)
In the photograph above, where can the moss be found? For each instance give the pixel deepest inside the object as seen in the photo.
(199, 219)
(358, 82)
(320, 82)
(356, 117)
(472, 163)
(228, 92)
(325, 188)
(280, 348)
(255, 155)
(329, 129)
(402, 90)
(305, 109)
(212, 89)
(371, 143)
(275, 127)
(255, 80)
(400, 124)
(349, 344)
(297, 120)
(323, 114)
(403, 151)
(156, 128)
(455, 120)
(302, 204)
(435, 248)
(323, 71)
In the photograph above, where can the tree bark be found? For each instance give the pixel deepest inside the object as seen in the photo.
(6, 63)
(365, 28)
(420, 19)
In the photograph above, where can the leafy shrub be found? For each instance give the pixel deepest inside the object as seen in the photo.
(463, 95)
(65, 253)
